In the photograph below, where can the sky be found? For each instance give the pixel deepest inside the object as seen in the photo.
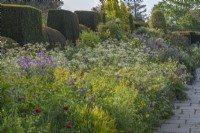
(73, 5)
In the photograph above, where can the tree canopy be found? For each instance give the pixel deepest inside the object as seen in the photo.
(181, 14)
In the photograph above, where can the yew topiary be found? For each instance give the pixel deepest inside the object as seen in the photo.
(21, 23)
(53, 37)
(88, 18)
(66, 22)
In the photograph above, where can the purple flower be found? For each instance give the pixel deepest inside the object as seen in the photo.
(20, 99)
(49, 60)
(83, 91)
(24, 62)
(179, 73)
(42, 54)
(71, 81)
(92, 98)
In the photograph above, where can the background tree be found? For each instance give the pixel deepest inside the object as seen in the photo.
(137, 8)
(103, 10)
(157, 21)
(112, 9)
(43, 5)
(180, 15)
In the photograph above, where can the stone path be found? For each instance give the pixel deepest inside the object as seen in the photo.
(186, 118)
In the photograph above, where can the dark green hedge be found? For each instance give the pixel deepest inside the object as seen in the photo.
(64, 21)
(88, 18)
(191, 35)
(53, 36)
(21, 23)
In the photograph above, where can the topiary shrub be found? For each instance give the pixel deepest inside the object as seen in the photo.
(192, 36)
(21, 23)
(157, 21)
(180, 40)
(88, 18)
(53, 37)
(64, 21)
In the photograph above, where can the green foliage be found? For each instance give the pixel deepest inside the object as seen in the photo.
(53, 37)
(66, 22)
(142, 30)
(88, 18)
(88, 39)
(191, 36)
(21, 23)
(113, 87)
(83, 28)
(115, 10)
(112, 29)
(138, 9)
(8, 43)
(157, 21)
(112, 9)
(131, 23)
(179, 40)
(41, 4)
(124, 13)
(138, 24)
(182, 15)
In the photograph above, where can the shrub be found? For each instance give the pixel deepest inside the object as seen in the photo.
(157, 21)
(138, 24)
(142, 30)
(83, 28)
(179, 40)
(112, 29)
(64, 21)
(53, 37)
(192, 36)
(7, 43)
(156, 33)
(88, 18)
(88, 39)
(21, 23)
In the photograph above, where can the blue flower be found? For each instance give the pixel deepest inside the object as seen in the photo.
(20, 99)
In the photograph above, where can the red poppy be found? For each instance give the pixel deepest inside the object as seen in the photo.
(69, 126)
(37, 110)
(66, 108)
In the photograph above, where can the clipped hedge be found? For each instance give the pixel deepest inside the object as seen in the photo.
(64, 21)
(53, 37)
(192, 36)
(88, 18)
(21, 23)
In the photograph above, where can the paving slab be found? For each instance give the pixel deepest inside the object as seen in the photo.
(186, 118)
